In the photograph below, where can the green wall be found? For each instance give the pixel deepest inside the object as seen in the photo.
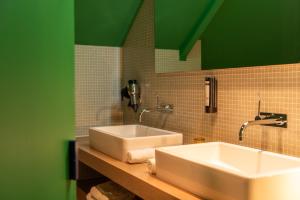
(251, 33)
(176, 20)
(104, 22)
(36, 107)
(242, 33)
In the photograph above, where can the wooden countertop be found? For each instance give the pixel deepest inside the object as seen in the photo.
(133, 177)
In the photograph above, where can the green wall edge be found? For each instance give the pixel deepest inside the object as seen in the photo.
(199, 28)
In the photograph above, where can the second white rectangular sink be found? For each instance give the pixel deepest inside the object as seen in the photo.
(116, 141)
(230, 172)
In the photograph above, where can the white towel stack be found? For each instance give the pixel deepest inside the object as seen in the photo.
(89, 197)
(109, 191)
(96, 194)
(151, 165)
(140, 155)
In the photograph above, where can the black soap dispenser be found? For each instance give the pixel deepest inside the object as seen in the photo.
(210, 95)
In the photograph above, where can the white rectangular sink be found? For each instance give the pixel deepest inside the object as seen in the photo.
(229, 172)
(116, 141)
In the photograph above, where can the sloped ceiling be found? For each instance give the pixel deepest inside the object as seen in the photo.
(240, 33)
(107, 22)
(175, 20)
(104, 22)
(179, 24)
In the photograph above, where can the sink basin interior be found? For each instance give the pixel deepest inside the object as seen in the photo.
(243, 161)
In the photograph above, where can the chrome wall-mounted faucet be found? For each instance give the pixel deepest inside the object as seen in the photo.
(142, 113)
(160, 107)
(265, 119)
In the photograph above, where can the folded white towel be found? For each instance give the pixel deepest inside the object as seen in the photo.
(110, 190)
(140, 155)
(96, 194)
(151, 165)
(89, 197)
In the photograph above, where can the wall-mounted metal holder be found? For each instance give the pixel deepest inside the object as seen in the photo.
(132, 92)
(211, 87)
(282, 119)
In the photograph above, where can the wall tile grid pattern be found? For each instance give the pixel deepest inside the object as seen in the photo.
(167, 60)
(98, 76)
(238, 91)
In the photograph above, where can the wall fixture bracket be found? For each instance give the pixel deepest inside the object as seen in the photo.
(282, 118)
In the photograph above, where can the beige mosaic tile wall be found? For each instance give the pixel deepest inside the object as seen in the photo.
(277, 86)
(167, 60)
(138, 57)
(97, 87)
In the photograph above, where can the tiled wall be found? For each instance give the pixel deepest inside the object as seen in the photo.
(167, 60)
(138, 56)
(97, 85)
(277, 86)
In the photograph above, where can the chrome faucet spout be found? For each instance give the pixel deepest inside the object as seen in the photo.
(270, 119)
(141, 114)
(242, 129)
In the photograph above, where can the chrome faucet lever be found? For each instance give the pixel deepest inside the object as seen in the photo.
(258, 110)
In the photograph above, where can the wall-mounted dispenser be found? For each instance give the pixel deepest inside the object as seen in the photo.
(210, 95)
(132, 92)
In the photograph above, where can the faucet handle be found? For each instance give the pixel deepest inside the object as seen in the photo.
(258, 117)
(163, 107)
(258, 111)
(166, 108)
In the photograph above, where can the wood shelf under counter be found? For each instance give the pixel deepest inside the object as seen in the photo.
(133, 177)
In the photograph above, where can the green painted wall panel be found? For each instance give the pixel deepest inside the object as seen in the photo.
(175, 20)
(252, 33)
(37, 108)
(104, 22)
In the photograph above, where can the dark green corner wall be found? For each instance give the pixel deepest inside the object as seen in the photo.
(104, 22)
(37, 98)
(242, 33)
(175, 20)
(251, 33)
